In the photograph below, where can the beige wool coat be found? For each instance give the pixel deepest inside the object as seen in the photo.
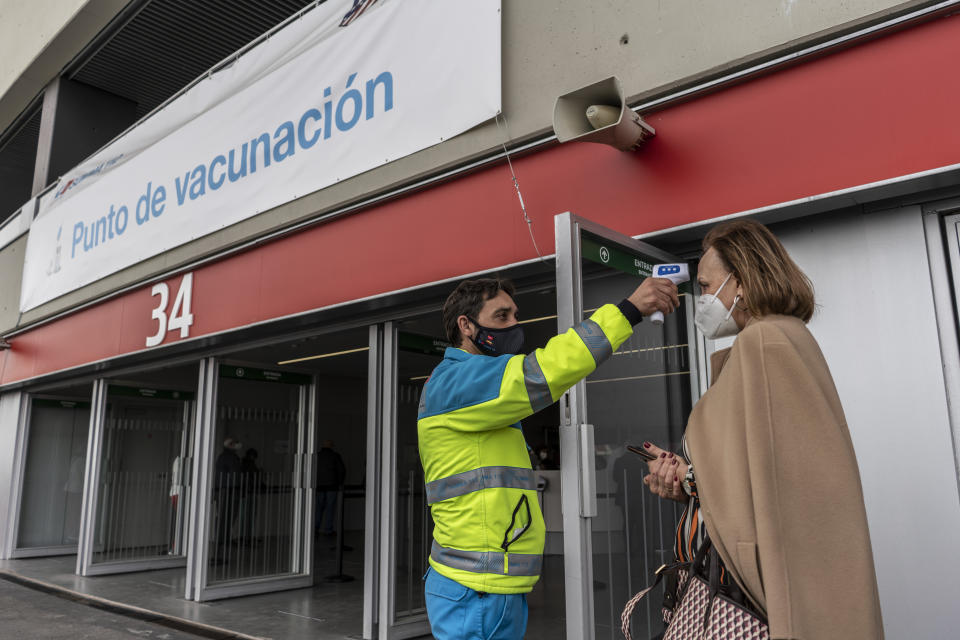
(779, 485)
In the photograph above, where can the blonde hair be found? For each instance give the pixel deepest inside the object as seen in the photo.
(772, 282)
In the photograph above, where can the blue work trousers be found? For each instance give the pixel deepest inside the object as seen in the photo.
(457, 612)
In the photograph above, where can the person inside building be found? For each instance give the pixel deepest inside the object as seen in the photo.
(772, 476)
(330, 475)
(489, 529)
(226, 491)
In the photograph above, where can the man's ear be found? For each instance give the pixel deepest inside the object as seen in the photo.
(466, 328)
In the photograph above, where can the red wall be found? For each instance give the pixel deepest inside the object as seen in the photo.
(877, 111)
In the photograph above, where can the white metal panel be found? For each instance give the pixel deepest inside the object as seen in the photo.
(877, 328)
(12, 408)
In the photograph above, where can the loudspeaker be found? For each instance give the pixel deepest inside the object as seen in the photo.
(597, 113)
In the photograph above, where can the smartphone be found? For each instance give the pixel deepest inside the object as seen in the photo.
(643, 453)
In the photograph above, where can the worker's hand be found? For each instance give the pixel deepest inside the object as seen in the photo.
(655, 294)
(665, 475)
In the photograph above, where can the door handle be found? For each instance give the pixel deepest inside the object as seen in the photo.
(588, 472)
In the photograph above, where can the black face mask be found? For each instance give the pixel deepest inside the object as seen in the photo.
(497, 342)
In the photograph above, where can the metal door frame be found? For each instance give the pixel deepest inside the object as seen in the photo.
(941, 223)
(389, 628)
(199, 526)
(578, 475)
(12, 527)
(91, 497)
(91, 475)
(21, 452)
(197, 585)
(371, 546)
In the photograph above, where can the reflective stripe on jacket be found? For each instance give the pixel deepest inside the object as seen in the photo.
(488, 527)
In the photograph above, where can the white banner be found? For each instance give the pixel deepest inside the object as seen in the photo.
(351, 85)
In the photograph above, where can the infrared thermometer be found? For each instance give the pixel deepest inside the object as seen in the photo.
(677, 273)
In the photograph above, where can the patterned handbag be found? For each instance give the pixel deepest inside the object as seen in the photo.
(705, 609)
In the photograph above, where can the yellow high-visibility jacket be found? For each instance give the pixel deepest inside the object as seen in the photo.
(488, 527)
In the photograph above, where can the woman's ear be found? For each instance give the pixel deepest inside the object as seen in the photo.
(741, 304)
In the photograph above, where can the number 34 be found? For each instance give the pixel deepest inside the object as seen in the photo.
(180, 316)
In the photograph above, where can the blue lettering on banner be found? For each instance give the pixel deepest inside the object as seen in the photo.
(337, 113)
(215, 184)
(305, 142)
(182, 188)
(198, 186)
(264, 141)
(235, 175)
(356, 101)
(285, 142)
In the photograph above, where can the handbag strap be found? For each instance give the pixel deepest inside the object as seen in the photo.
(714, 582)
(632, 603)
(700, 564)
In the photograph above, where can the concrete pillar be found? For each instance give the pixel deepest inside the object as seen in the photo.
(77, 120)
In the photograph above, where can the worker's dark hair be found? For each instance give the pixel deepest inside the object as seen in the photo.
(467, 300)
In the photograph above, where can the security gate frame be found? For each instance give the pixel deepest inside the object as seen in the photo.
(578, 474)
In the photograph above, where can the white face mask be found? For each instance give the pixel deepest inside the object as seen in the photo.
(713, 318)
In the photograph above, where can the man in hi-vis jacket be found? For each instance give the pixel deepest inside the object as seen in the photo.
(488, 529)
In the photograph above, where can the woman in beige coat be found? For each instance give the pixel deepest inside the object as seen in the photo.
(773, 475)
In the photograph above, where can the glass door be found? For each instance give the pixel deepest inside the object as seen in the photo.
(406, 526)
(134, 510)
(615, 532)
(254, 482)
(52, 493)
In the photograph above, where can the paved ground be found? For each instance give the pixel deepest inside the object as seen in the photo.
(28, 614)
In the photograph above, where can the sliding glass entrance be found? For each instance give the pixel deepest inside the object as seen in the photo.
(52, 489)
(406, 525)
(139, 489)
(252, 530)
(256, 490)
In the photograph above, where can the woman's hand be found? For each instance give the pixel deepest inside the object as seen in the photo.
(666, 474)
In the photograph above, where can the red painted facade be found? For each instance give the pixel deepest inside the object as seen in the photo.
(880, 110)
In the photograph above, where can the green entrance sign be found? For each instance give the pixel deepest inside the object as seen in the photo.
(60, 404)
(147, 392)
(421, 344)
(262, 375)
(615, 256)
(623, 259)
